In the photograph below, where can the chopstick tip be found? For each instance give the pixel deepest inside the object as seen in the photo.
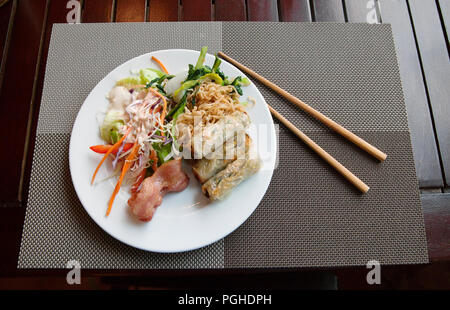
(365, 190)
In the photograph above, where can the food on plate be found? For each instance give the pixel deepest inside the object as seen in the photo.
(211, 135)
(205, 168)
(154, 118)
(137, 134)
(169, 177)
(221, 184)
(215, 113)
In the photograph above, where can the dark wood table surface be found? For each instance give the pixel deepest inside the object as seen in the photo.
(421, 31)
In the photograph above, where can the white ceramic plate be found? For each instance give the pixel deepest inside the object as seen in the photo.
(186, 220)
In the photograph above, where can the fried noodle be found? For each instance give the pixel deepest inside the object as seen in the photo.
(212, 102)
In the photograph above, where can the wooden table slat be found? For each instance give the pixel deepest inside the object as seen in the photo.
(295, 11)
(56, 13)
(328, 11)
(196, 10)
(426, 157)
(436, 213)
(17, 92)
(130, 10)
(262, 10)
(362, 11)
(97, 11)
(6, 12)
(230, 10)
(436, 69)
(163, 10)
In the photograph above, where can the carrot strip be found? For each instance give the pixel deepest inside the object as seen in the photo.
(163, 114)
(154, 159)
(160, 64)
(112, 149)
(125, 168)
(157, 109)
(140, 178)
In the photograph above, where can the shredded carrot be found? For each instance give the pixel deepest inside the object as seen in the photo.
(160, 64)
(157, 109)
(112, 149)
(140, 178)
(154, 159)
(163, 114)
(126, 166)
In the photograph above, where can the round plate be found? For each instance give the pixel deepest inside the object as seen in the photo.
(186, 220)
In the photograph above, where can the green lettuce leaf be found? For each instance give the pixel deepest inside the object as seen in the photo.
(128, 82)
(149, 74)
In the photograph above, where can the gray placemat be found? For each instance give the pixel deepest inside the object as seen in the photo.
(310, 216)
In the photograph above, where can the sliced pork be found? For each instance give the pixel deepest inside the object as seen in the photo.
(168, 178)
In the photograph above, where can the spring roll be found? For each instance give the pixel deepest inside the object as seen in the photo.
(205, 168)
(221, 184)
(215, 135)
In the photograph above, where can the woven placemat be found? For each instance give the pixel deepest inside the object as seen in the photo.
(310, 215)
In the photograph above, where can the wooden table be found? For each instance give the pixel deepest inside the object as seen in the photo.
(421, 32)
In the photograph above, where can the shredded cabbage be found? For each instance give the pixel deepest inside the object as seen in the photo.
(109, 130)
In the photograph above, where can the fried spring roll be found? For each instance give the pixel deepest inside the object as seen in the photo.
(221, 184)
(214, 135)
(205, 168)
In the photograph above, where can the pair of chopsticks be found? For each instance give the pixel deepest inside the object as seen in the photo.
(360, 185)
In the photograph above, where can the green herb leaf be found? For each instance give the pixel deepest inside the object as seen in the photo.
(201, 58)
(162, 151)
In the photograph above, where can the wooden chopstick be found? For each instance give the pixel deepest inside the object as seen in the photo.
(316, 114)
(322, 153)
